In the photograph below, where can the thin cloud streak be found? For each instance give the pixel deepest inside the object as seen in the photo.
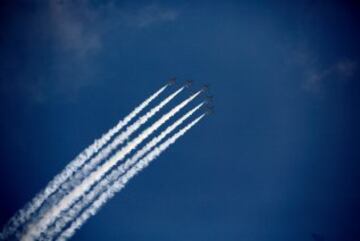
(341, 71)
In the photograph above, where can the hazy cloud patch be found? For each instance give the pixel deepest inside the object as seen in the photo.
(317, 74)
(149, 15)
(64, 43)
(80, 27)
(73, 26)
(340, 71)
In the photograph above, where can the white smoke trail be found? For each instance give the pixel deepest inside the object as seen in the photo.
(120, 183)
(25, 213)
(35, 229)
(106, 151)
(103, 154)
(105, 183)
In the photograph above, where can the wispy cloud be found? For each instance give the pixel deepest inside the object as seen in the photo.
(72, 25)
(68, 42)
(63, 43)
(149, 15)
(318, 73)
(342, 70)
(80, 27)
(322, 64)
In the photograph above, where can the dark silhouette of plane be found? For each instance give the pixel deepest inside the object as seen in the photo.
(205, 87)
(189, 83)
(209, 109)
(172, 81)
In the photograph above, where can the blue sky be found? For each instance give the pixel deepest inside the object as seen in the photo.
(277, 161)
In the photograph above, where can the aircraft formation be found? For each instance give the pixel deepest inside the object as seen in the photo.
(205, 88)
(105, 167)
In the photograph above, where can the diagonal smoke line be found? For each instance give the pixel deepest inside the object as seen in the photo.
(105, 183)
(35, 229)
(126, 134)
(25, 213)
(122, 181)
(106, 151)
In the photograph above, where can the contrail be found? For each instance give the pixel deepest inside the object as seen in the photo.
(126, 134)
(105, 183)
(85, 170)
(25, 213)
(120, 183)
(36, 229)
(106, 151)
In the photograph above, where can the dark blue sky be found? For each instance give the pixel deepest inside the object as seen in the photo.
(279, 160)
